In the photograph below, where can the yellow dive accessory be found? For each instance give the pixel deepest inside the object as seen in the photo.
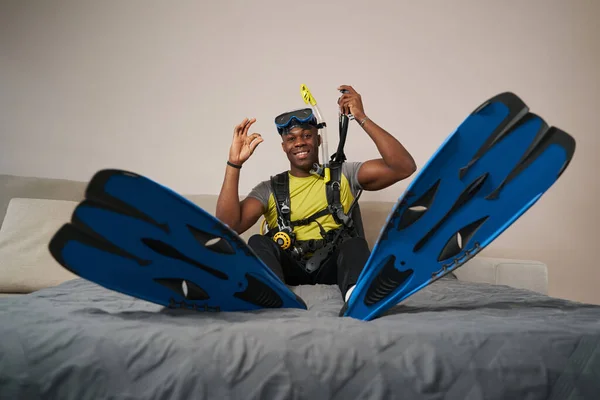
(310, 100)
(283, 240)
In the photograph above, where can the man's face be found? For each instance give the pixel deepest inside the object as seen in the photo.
(301, 145)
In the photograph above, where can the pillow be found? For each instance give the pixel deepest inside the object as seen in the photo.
(13, 186)
(26, 264)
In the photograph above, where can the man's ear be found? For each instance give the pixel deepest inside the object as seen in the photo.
(320, 139)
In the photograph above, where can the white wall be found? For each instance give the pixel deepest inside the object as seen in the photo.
(156, 87)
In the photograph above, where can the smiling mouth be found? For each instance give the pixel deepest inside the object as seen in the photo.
(302, 154)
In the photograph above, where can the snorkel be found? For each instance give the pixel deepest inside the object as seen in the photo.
(310, 100)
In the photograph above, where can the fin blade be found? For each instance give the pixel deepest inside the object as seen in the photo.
(523, 164)
(98, 192)
(547, 136)
(117, 239)
(516, 109)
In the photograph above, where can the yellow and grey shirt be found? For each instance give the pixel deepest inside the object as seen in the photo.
(308, 196)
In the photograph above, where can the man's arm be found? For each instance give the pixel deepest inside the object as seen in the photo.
(239, 216)
(396, 163)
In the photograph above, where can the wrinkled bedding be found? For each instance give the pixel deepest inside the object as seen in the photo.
(452, 340)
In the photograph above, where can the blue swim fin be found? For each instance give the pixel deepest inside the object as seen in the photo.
(137, 237)
(485, 175)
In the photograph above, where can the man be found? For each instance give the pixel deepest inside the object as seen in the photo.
(300, 142)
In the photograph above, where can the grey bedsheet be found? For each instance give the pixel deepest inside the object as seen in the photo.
(452, 340)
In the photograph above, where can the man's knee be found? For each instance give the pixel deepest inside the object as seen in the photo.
(258, 241)
(353, 247)
(355, 244)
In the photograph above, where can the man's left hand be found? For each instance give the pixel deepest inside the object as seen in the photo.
(351, 103)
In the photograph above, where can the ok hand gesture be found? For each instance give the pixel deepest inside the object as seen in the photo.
(243, 145)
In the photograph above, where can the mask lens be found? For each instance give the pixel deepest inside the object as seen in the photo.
(301, 116)
(284, 119)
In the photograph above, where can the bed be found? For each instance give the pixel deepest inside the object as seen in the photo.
(488, 332)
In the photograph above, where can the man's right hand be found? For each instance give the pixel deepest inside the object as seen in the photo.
(243, 145)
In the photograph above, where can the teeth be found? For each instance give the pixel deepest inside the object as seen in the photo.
(302, 153)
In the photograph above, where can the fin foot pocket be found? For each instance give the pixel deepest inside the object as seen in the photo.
(260, 294)
(387, 281)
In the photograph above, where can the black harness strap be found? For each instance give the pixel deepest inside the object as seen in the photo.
(280, 187)
(320, 248)
(310, 219)
(333, 193)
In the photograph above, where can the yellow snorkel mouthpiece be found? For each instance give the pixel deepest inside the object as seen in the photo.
(310, 100)
(307, 95)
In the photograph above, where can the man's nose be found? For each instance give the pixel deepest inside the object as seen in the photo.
(300, 141)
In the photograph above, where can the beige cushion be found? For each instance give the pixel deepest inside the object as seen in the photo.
(26, 264)
(522, 274)
(12, 186)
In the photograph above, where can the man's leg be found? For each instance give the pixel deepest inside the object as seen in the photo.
(352, 257)
(327, 274)
(278, 260)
